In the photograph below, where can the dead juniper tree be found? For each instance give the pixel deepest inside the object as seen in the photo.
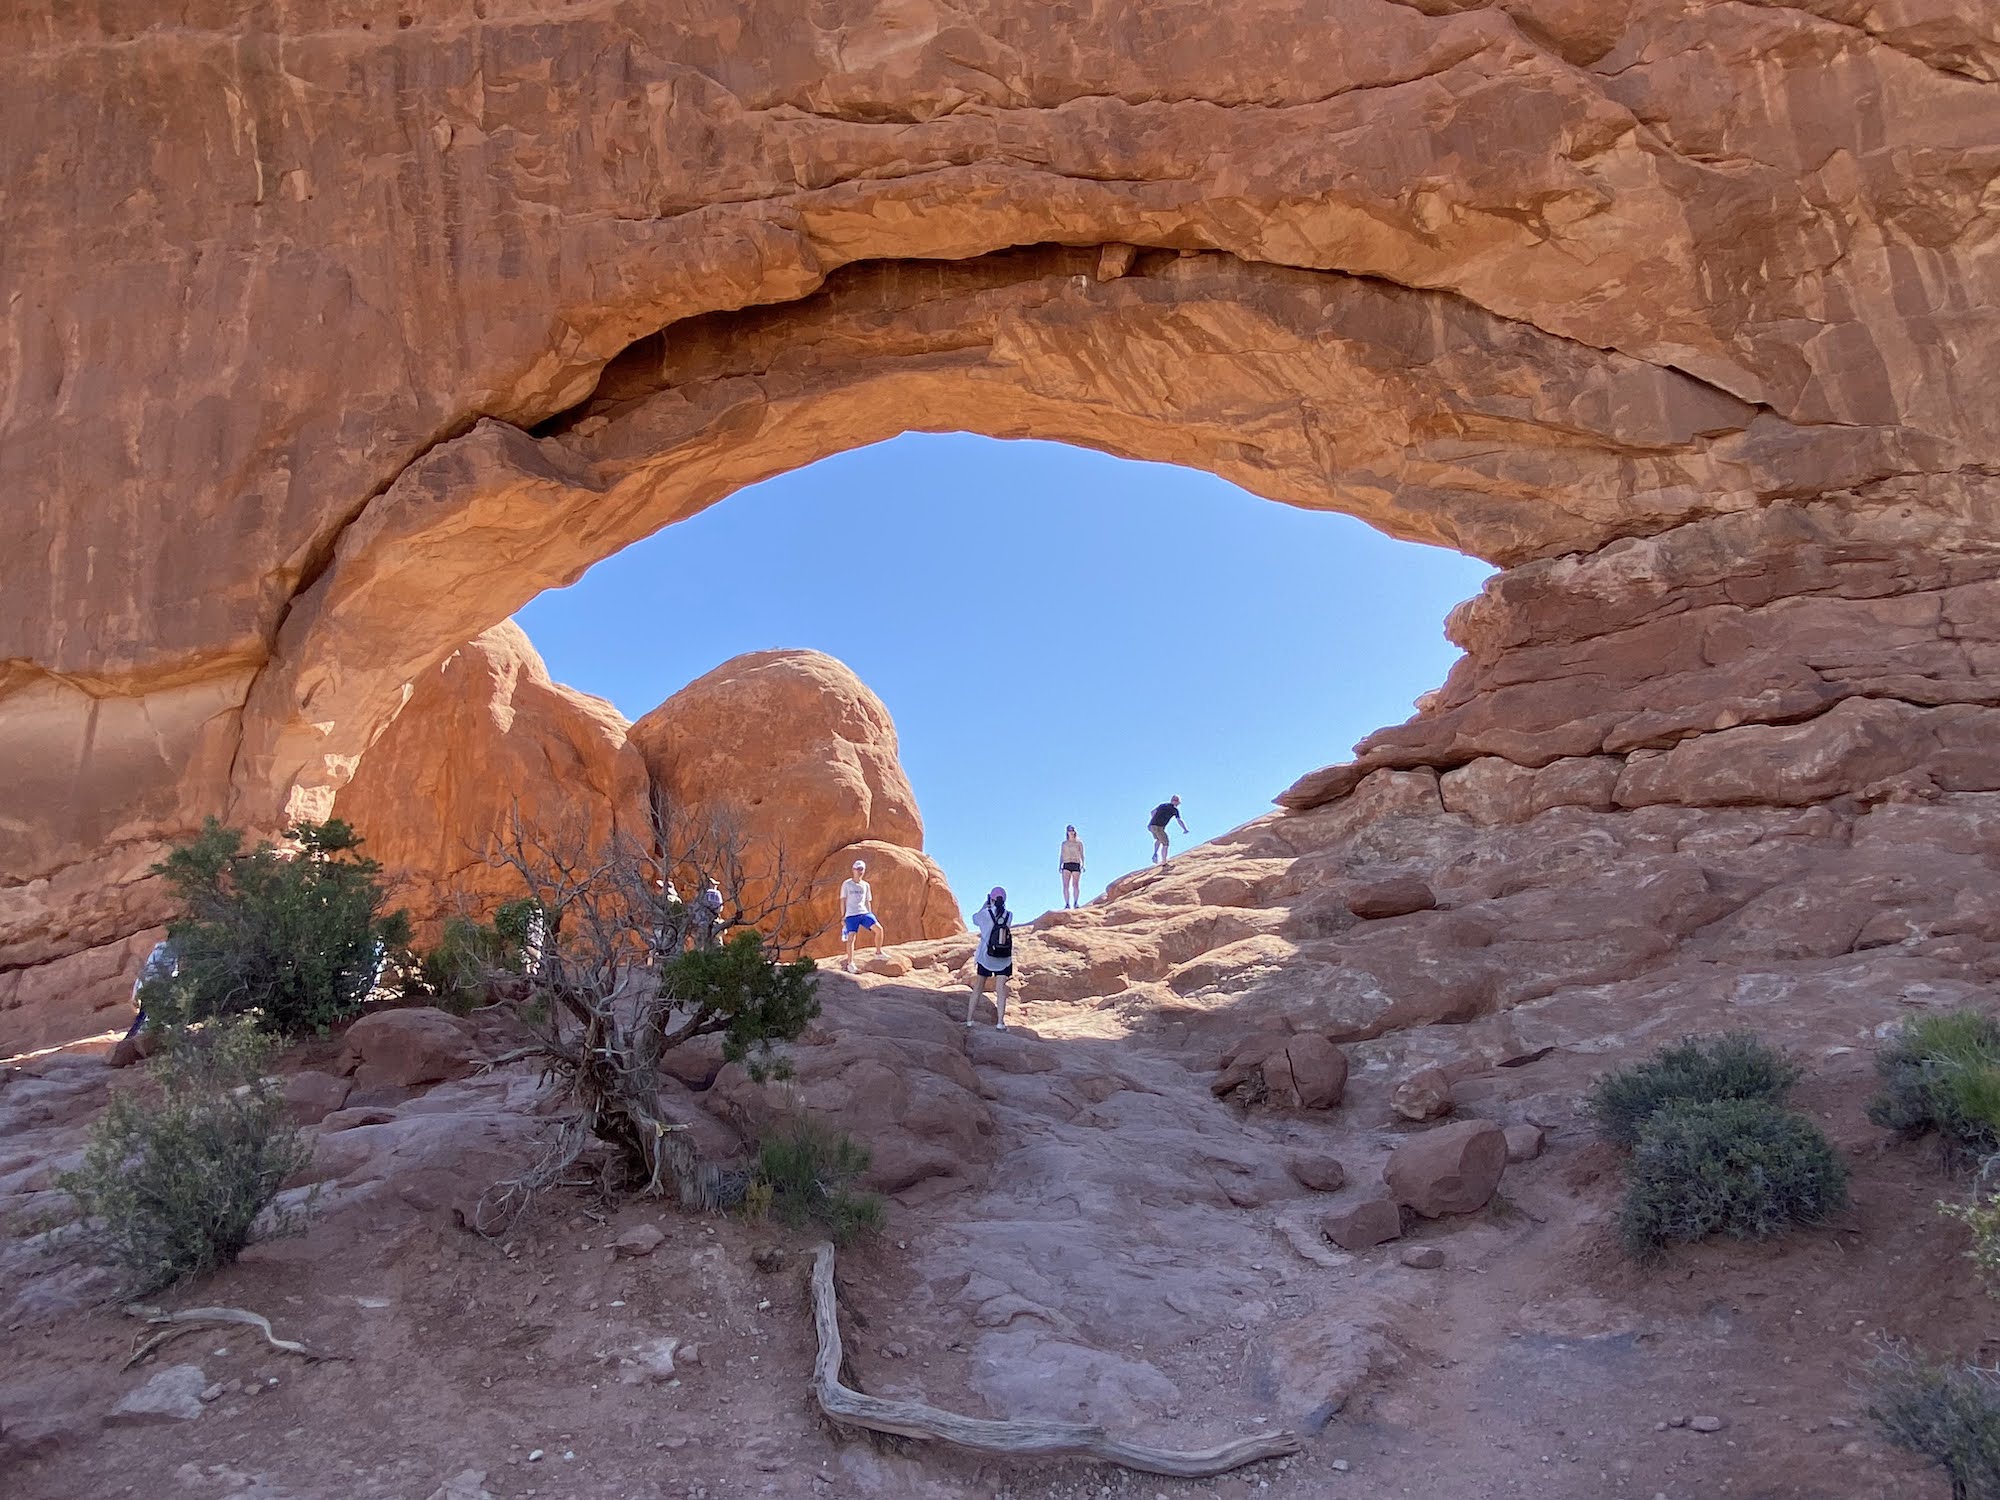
(622, 968)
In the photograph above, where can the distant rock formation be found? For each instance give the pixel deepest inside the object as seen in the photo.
(790, 744)
(483, 736)
(798, 749)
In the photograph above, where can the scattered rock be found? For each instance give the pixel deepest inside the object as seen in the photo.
(215, 1392)
(1318, 1171)
(1423, 1257)
(173, 1395)
(311, 1096)
(467, 1484)
(1398, 896)
(1706, 1424)
(1452, 1169)
(1373, 1221)
(640, 1239)
(406, 1049)
(1424, 1095)
(1524, 1142)
(1308, 1072)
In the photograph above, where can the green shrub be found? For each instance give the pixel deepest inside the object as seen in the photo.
(737, 992)
(294, 940)
(1740, 1167)
(1942, 1073)
(805, 1174)
(1736, 1065)
(173, 1177)
(1946, 1413)
(1982, 1217)
(455, 975)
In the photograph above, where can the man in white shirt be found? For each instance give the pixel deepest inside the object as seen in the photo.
(857, 902)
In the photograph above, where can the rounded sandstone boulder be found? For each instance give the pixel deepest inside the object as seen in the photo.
(1453, 1169)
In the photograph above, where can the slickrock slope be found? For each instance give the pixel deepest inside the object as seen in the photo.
(797, 754)
(333, 345)
(485, 737)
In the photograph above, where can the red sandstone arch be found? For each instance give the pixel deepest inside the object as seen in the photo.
(330, 347)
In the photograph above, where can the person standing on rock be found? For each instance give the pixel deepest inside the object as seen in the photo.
(993, 959)
(1071, 860)
(1167, 812)
(857, 902)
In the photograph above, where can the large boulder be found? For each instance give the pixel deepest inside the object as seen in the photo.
(1305, 1071)
(487, 735)
(405, 1049)
(795, 751)
(1453, 1169)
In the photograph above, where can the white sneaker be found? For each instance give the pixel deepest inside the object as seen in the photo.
(849, 966)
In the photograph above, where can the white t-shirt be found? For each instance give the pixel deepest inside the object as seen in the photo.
(856, 896)
(1072, 851)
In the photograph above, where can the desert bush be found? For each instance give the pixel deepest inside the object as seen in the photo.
(294, 940)
(1947, 1413)
(174, 1176)
(1735, 1065)
(1740, 1167)
(805, 1174)
(457, 973)
(754, 1000)
(1982, 1216)
(1942, 1073)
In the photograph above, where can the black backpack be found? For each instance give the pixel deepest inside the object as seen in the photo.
(1000, 943)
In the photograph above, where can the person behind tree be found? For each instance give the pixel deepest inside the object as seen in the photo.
(857, 904)
(993, 959)
(1167, 812)
(708, 914)
(164, 962)
(1071, 860)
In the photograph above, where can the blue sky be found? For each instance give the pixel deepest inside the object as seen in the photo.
(1061, 636)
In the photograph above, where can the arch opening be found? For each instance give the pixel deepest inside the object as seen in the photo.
(1060, 637)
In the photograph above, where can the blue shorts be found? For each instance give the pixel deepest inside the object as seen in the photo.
(855, 924)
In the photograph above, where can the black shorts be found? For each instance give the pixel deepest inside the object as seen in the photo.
(986, 973)
(1073, 867)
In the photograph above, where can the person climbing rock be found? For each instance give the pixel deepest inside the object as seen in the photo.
(993, 959)
(857, 901)
(1071, 860)
(164, 962)
(1167, 812)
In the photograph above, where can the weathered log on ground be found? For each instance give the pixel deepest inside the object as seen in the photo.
(913, 1419)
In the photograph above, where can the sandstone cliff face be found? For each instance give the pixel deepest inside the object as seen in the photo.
(795, 750)
(333, 346)
(484, 737)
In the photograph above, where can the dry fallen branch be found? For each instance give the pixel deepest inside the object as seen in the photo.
(913, 1419)
(190, 1318)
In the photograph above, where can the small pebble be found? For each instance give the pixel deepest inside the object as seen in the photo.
(1705, 1424)
(535, 1457)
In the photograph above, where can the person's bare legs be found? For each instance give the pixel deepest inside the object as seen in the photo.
(851, 934)
(1160, 847)
(1072, 888)
(972, 1001)
(1000, 1003)
(878, 937)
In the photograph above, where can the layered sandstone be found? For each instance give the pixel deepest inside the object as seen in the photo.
(333, 345)
(794, 753)
(488, 745)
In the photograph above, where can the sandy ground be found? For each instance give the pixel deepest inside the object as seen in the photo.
(1537, 1361)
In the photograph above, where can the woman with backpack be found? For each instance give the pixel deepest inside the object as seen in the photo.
(993, 959)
